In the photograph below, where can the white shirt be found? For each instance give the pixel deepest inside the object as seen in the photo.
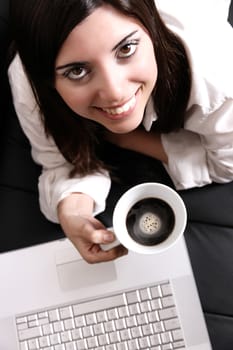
(198, 154)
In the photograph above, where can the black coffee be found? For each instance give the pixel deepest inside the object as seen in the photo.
(150, 221)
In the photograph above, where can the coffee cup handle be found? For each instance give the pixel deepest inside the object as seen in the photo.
(111, 245)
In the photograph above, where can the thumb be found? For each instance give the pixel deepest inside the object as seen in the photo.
(102, 236)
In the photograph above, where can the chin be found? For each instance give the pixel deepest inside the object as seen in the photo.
(125, 127)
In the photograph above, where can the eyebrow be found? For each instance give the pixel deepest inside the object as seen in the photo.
(83, 63)
(124, 40)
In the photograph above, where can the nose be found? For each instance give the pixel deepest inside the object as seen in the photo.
(111, 83)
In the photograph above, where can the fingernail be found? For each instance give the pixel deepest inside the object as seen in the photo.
(108, 237)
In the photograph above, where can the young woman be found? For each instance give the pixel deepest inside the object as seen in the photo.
(89, 72)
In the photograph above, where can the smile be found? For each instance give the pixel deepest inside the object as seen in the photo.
(122, 109)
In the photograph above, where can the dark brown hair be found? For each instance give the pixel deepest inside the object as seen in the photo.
(39, 29)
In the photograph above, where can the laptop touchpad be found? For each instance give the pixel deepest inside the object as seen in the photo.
(74, 272)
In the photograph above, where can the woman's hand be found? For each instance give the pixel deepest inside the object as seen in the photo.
(86, 232)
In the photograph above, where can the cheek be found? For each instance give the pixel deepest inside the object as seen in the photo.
(75, 99)
(147, 67)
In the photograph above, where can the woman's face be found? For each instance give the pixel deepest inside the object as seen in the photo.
(106, 70)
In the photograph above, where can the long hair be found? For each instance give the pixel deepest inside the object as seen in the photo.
(40, 27)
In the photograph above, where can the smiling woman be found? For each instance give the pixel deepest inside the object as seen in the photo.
(92, 73)
(108, 80)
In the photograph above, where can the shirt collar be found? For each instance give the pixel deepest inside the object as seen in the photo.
(150, 115)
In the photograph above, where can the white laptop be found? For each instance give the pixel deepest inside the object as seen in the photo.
(51, 299)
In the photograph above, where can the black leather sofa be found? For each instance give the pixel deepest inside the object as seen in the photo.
(209, 232)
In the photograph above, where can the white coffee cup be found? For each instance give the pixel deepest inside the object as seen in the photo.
(148, 218)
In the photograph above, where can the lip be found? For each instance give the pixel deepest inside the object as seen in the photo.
(127, 108)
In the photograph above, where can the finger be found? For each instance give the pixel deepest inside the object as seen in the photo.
(93, 231)
(96, 254)
(101, 236)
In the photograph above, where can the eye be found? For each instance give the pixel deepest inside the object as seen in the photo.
(76, 73)
(128, 49)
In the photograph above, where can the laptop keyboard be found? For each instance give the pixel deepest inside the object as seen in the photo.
(143, 318)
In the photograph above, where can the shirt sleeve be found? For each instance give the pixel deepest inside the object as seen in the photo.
(203, 153)
(54, 182)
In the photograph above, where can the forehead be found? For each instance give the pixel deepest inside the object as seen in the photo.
(101, 30)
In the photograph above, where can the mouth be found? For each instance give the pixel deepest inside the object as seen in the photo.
(129, 105)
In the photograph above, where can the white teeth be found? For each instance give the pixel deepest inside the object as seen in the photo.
(121, 109)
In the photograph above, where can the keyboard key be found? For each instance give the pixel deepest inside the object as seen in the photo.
(112, 314)
(144, 294)
(147, 329)
(120, 324)
(33, 344)
(59, 347)
(166, 289)
(155, 340)
(81, 344)
(22, 326)
(166, 337)
(152, 316)
(158, 327)
(69, 324)
(114, 337)
(32, 317)
(54, 315)
(167, 347)
(103, 339)
(123, 311)
(98, 328)
(167, 301)
(70, 346)
(23, 345)
(142, 319)
(99, 304)
(125, 334)
(131, 321)
(144, 342)
(167, 313)
(55, 339)
(132, 297)
(47, 329)
(122, 346)
(21, 320)
(76, 334)
(155, 292)
(65, 312)
(156, 304)
(101, 316)
(92, 342)
(136, 332)
(43, 314)
(80, 321)
(145, 307)
(58, 326)
(87, 331)
(133, 344)
(134, 309)
(110, 347)
(44, 341)
(30, 333)
(179, 345)
(109, 326)
(66, 337)
(90, 319)
(173, 323)
(177, 334)
(43, 321)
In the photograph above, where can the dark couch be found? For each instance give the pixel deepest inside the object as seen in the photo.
(209, 233)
